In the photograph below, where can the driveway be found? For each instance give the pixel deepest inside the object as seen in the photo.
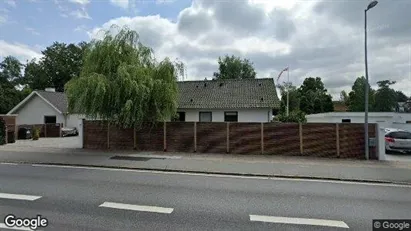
(44, 144)
(398, 157)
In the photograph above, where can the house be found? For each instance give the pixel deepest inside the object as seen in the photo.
(45, 107)
(248, 100)
(384, 119)
(236, 100)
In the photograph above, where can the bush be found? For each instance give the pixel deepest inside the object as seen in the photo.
(36, 134)
(2, 132)
(293, 117)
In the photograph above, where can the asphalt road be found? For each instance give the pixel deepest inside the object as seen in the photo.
(89, 199)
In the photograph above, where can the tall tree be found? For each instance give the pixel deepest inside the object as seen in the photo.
(10, 76)
(10, 69)
(356, 102)
(344, 97)
(122, 82)
(60, 63)
(385, 97)
(231, 67)
(35, 77)
(314, 97)
(401, 97)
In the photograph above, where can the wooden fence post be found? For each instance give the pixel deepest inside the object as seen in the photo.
(262, 138)
(228, 137)
(16, 130)
(6, 136)
(108, 135)
(45, 130)
(134, 138)
(195, 136)
(165, 136)
(300, 128)
(337, 135)
(61, 131)
(83, 132)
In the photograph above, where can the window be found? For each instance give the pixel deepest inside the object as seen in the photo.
(399, 135)
(346, 120)
(50, 119)
(181, 116)
(205, 116)
(230, 116)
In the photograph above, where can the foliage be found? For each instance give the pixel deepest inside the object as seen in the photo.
(357, 96)
(344, 97)
(10, 71)
(385, 97)
(293, 98)
(60, 63)
(231, 67)
(36, 134)
(401, 97)
(2, 131)
(314, 97)
(295, 116)
(10, 76)
(122, 82)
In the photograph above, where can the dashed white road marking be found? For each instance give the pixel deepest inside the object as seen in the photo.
(142, 208)
(299, 221)
(18, 197)
(224, 176)
(5, 163)
(4, 226)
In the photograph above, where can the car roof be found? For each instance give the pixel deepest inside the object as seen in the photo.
(389, 130)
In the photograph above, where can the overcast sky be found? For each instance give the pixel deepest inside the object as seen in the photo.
(313, 37)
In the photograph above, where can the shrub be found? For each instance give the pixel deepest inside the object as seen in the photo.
(293, 117)
(36, 134)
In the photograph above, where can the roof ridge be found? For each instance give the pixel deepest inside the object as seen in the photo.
(228, 80)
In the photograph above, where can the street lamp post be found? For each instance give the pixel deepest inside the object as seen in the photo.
(367, 151)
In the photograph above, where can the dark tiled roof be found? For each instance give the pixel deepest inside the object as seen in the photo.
(226, 94)
(58, 99)
(247, 93)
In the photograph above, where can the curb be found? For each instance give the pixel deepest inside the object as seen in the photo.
(383, 182)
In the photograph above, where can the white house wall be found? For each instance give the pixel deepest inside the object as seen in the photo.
(33, 112)
(244, 115)
(384, 119)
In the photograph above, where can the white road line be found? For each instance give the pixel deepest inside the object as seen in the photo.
(4, 226)
(18, 197)
(142, 208)
(299, 221)
(224, 176)
(4, 163)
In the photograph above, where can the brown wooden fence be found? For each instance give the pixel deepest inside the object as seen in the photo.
(312, 139)
(46, 130)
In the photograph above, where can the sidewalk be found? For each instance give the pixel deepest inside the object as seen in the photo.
(249, 165)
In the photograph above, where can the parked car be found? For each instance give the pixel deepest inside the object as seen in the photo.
(397, 141)
(69, 131)
(24, 133)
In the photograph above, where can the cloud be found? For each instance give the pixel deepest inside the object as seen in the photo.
(11, 3)
(80, 14)
(315, 38)
(20, 51)
(120, 3)
(81, 2)
(3, 19)
(32, 31)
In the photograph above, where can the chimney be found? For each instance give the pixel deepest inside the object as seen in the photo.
(50, 89)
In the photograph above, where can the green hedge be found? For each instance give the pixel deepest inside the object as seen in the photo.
(2, 131)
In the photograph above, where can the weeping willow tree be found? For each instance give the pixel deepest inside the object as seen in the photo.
(122, 82)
